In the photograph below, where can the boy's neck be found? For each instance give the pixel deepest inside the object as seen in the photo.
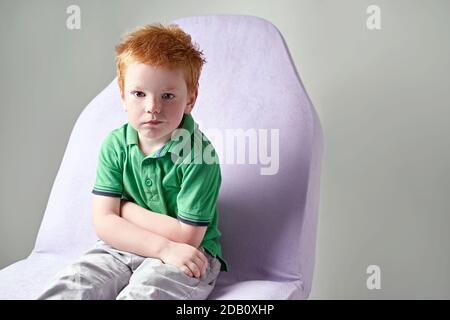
(148, 146)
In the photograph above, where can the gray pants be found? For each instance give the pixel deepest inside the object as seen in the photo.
(105, 273)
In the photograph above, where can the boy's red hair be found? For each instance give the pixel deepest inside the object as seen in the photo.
(160, 46)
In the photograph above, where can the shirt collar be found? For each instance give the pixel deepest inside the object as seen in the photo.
(187, 123)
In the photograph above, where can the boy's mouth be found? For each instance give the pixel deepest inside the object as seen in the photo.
(153, 122)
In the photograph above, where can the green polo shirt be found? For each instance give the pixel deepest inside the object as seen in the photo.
(185, 189)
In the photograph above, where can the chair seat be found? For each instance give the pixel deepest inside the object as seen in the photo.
(257, 290)
(25, 280)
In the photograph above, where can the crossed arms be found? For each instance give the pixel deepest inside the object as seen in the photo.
(129, 227)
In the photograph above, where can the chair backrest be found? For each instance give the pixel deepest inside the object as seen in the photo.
(253, 107)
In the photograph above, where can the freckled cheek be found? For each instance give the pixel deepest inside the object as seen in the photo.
(136, 108)
(135, 115)
(173, 119)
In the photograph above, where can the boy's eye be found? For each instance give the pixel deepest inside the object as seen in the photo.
(168, 96)
(138, 94)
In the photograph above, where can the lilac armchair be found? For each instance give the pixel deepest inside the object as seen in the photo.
(267, 209)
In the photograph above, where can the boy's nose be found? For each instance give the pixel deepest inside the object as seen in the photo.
(152, 108)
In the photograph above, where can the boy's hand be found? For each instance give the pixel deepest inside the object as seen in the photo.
(189, 259)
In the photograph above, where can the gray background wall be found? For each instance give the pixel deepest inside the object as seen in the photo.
(382, 97)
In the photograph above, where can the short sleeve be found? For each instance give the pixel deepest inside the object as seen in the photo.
(109, 178)
(198, 194)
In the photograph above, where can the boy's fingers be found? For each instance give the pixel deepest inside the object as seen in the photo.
(194, 269)
(203, 257)
(186, 270)
(204, 262)
(200, 264)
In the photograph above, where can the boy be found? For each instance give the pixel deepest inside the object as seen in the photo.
(154, 210)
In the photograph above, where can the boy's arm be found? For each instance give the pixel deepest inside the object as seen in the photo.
(162, 224)
(126, 236)
(121, 234)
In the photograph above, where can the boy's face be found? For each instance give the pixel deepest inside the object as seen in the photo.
(155, 93)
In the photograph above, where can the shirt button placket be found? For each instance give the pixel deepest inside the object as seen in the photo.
(146, 175)
(149, 181)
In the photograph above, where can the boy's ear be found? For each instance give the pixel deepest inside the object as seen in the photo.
(191, 101)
